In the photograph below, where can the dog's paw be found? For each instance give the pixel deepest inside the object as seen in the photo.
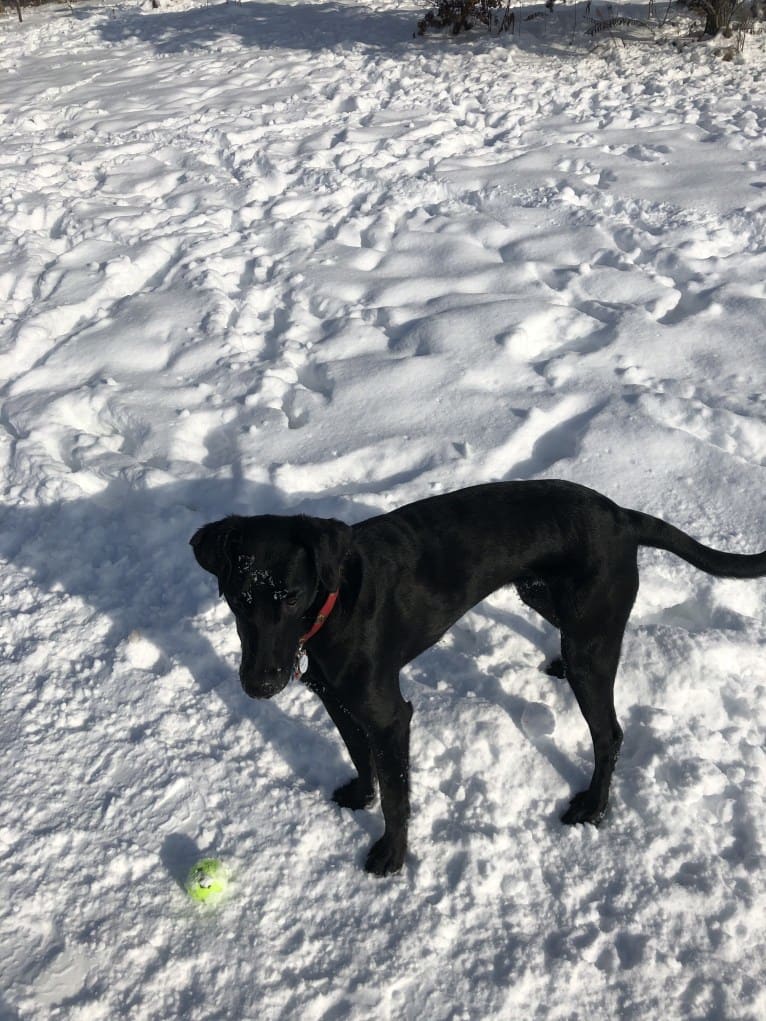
(354, 794)
(584, 807)
(385, 857)
(555, 668)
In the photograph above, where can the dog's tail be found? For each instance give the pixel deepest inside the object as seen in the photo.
(655, 532)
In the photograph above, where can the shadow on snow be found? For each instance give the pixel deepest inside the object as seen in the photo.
(125, 553)
(300, 26)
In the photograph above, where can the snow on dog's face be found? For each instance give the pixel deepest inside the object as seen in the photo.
(273, 572)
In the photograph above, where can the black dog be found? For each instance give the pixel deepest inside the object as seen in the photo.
(402, 579)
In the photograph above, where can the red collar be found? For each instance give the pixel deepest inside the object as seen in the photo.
(322, 616)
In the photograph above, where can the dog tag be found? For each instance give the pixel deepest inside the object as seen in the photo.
(301, 664)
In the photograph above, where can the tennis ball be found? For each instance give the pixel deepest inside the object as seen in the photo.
(207, 880)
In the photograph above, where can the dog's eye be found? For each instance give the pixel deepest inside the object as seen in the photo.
(291, 599)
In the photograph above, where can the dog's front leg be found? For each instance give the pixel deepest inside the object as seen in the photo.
(359, 792)
(388, 730)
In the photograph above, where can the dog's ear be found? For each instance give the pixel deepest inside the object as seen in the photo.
(212, 548)
(329, 541)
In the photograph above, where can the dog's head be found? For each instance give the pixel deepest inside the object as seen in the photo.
(272, 571)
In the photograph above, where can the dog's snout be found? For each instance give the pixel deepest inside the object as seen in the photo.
(263, 683)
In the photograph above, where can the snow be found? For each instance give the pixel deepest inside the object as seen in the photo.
(278, 258)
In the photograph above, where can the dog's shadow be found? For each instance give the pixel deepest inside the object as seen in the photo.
(125, 553)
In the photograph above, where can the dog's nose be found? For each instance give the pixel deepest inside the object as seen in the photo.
(263, 684)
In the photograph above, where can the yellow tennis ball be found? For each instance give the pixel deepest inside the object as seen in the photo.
(207, 880)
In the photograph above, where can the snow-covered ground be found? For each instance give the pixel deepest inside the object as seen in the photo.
(286, 257)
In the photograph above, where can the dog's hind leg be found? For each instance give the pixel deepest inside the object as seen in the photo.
(590, 669)
(593, 624)
(537, 595)
(359, 792)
